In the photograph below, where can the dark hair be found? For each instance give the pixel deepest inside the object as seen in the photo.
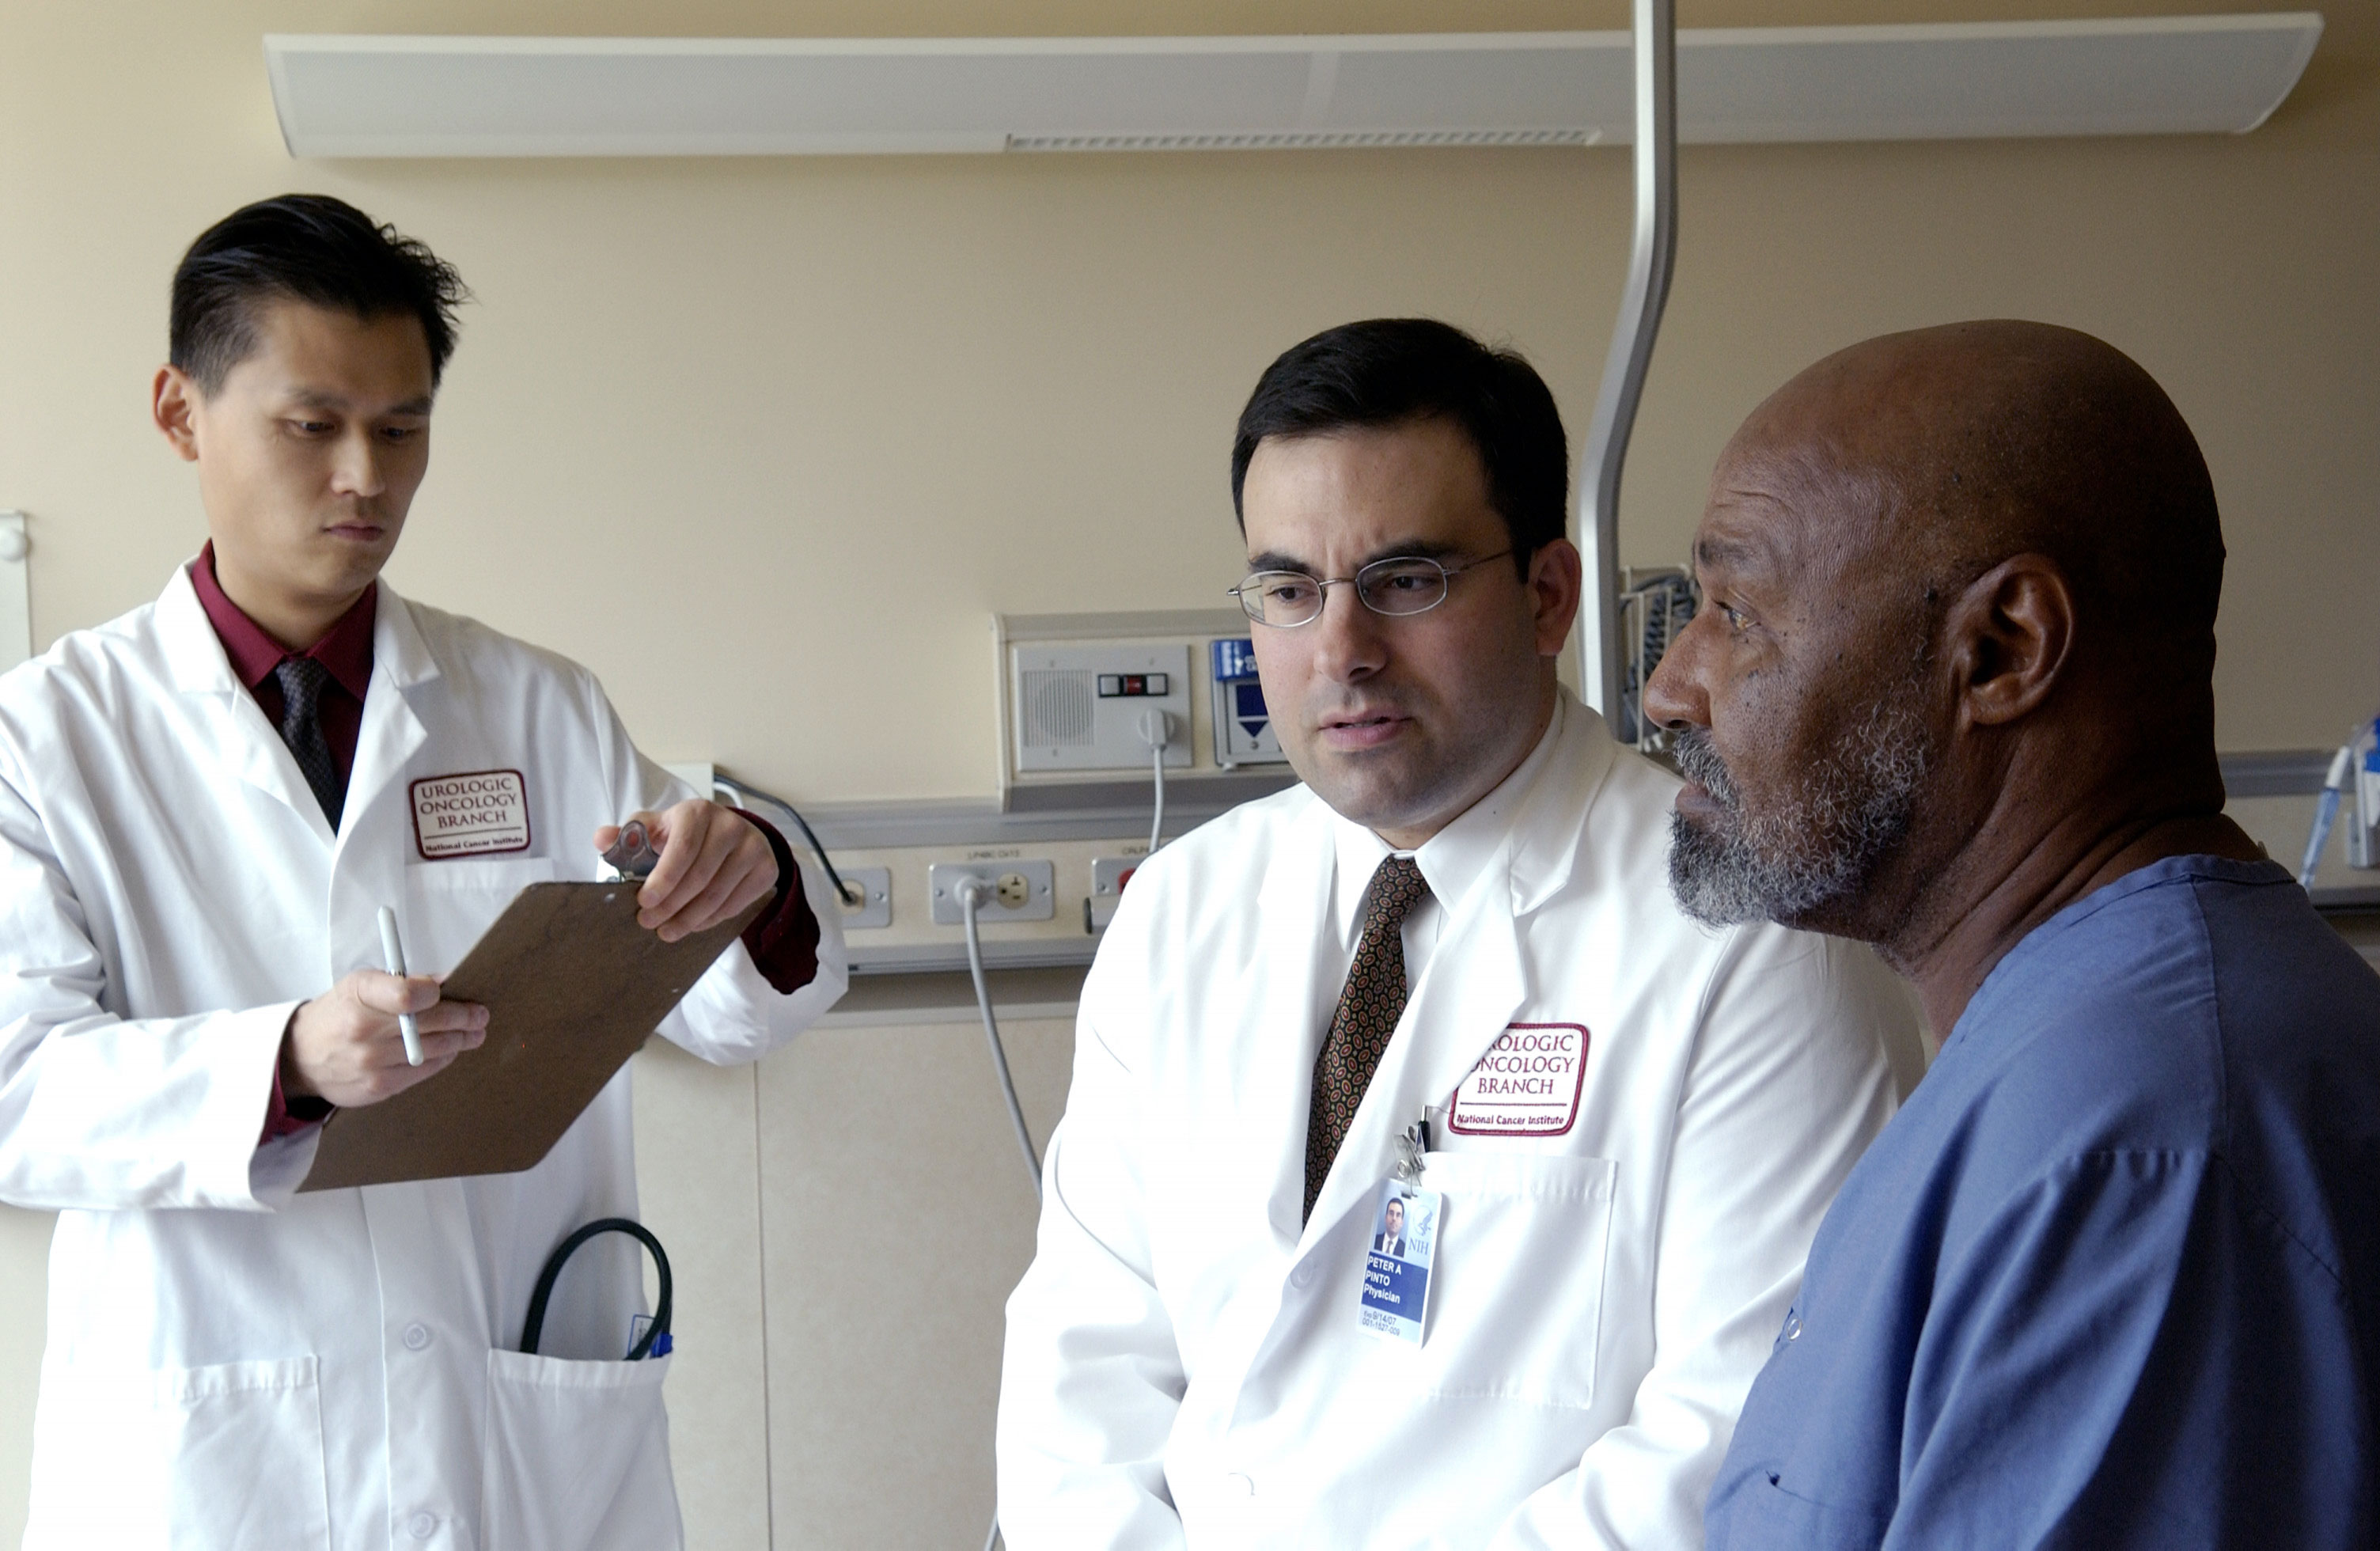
(307, 247)
(1387, 371)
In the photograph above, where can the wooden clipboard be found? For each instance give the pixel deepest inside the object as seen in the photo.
(572, 988)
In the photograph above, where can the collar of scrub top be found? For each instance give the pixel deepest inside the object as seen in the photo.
(1451, 860)
(345, 651)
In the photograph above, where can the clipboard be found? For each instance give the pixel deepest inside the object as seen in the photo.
(572, 988)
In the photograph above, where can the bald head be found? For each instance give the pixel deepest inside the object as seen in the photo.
(1948, 450)
(1950, 574)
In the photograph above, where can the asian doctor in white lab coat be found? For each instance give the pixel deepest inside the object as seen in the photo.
(203, 804)
(1625, 1126)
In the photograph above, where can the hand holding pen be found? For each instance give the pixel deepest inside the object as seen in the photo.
(349, 1046)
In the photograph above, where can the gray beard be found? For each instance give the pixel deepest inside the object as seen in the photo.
(1816, 847)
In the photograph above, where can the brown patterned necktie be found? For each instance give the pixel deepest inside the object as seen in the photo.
(1368, 1010)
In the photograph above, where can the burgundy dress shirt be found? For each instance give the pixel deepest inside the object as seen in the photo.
(783, 940)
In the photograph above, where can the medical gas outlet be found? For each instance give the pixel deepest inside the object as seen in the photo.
(1021, 890)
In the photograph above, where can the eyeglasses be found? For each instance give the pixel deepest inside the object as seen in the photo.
(1399, 585)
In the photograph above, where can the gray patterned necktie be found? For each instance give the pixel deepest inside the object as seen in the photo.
(301, 728)
(1368, 1010)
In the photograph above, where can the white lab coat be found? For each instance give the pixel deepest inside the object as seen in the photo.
(1184, 1361)
(230, 1364)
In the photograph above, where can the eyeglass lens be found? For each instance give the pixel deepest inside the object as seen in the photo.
(1386, 587)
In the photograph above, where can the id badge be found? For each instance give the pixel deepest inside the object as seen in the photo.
(1397, 1261)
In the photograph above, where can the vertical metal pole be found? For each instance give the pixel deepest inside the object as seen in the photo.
(1602, 656)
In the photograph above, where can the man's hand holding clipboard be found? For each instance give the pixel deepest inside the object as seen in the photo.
(553, 1001)
(713, 865)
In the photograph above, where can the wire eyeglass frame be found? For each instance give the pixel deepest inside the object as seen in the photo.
(1365, 581)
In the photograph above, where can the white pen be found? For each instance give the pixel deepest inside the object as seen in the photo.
(392, 950)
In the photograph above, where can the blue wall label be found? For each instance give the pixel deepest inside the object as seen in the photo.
(1233, 658)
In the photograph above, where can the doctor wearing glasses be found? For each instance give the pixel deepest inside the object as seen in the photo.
(1446, 972)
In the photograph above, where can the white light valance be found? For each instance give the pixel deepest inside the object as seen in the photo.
(456, 96)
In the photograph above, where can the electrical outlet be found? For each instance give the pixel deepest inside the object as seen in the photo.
(875, 909)
(1109, 874)
(1021, 891)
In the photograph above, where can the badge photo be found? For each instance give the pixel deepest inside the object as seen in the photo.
(478, 812)
(1403, 1245)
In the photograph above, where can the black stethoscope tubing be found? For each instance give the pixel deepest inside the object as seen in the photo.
(535, 1326)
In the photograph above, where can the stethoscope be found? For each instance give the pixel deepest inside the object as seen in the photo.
(655, 1341)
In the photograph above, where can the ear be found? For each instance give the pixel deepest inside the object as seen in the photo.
(173, 403)
(1553, 587)
(2008, 638)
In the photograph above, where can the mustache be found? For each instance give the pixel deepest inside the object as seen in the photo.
(1810, 844)
(1700, 763)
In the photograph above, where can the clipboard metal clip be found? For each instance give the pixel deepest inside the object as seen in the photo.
(632, 854)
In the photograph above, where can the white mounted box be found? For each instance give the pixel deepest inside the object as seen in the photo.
(1088, 706)
(1058, 735)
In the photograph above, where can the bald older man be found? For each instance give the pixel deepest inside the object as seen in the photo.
(2112, 1278)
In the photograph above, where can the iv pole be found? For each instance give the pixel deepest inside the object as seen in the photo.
(1601, 659)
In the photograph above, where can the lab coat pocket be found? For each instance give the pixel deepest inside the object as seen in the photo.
(577, 1455)
(449, 905)
(1516, 1310)
(226, 1455)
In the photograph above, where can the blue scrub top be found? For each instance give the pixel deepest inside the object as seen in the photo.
(2112, 1278)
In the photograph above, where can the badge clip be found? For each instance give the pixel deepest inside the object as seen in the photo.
(1410, 1146)
(632, 856)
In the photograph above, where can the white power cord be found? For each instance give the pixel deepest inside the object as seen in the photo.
(1156, 820)
(973, 893)
(1156, 730)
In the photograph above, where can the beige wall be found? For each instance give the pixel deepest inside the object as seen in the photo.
(834, 412)
(831, 414)
(845, 1222)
